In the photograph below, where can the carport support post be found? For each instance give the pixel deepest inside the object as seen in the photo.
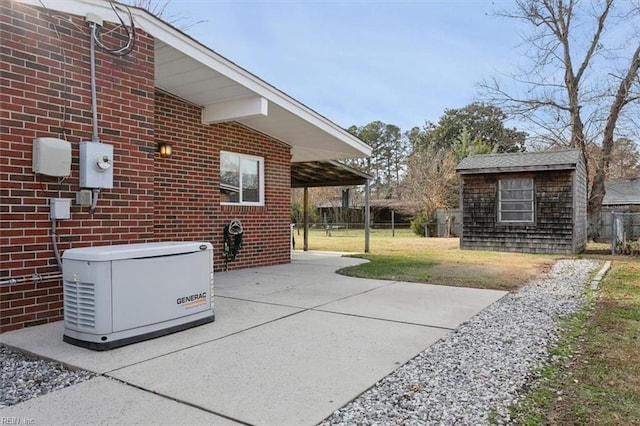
(367, 216)
(393, 223)
(305, 208)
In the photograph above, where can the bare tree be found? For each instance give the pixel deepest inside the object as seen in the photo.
(582, 89)
(159, 9)
(625, 160)
(431, 180)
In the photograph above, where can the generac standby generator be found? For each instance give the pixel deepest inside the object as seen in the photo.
(121, 294)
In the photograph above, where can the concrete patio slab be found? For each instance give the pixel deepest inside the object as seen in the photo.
(425, 304)
(290, 344)
(293, 371)
(232, 316)
(297, 286)
(325, 258)
(106, 401)
(301, 261)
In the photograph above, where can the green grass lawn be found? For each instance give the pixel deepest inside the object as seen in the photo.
(408, 257)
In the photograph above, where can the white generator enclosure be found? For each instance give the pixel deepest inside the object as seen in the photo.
(121, 294)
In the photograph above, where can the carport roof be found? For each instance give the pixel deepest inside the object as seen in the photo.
(226, 92)
(325, 173)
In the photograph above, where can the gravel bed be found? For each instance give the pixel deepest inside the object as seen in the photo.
(473, 374)
(23, 378)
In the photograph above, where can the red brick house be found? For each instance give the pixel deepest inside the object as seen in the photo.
(234, 141)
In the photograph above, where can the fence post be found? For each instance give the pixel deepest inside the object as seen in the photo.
(393, 224)
(614, 234)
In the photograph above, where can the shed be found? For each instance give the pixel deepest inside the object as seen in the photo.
(524, 202)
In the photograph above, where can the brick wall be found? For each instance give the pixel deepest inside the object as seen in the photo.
(187, 191)
(552, 231)
(45, 91)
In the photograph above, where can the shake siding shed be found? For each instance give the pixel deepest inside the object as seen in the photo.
(543, 207)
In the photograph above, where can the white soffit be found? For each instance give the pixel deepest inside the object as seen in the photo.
(244, 98)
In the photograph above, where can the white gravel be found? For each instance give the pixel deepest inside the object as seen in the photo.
(473, 374)
(476, 370)
(23, 378)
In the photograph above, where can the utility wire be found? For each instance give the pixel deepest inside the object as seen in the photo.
(130, 30)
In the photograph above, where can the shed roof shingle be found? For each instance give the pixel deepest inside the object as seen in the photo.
(622, 192)
(521, 161)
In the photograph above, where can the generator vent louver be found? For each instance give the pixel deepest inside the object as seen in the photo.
(79, 308)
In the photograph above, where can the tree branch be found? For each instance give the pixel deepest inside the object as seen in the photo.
(595, 41)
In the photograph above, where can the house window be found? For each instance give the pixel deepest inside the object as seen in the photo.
(241, 179)
(515, 203)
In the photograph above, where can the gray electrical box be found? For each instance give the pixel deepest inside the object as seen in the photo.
(60, 208)
(96, 165)
(51, 157)
(84, 197)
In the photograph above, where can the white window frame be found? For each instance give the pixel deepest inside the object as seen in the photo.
(504, 198)
(241, 202)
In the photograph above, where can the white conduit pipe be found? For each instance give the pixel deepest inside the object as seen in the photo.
(94, 102)
(54, 241)
(94, 108)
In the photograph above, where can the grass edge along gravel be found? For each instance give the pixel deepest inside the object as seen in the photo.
(594, 376)
(542, 389)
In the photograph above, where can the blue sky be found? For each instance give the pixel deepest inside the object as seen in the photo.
(400, 62)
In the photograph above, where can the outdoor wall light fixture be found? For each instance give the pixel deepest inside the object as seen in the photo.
(164, 149)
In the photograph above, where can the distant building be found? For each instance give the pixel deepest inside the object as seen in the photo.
(622, 194)
(383, 212)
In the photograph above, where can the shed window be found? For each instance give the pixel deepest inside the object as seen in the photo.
(515, 200)
(241, 179)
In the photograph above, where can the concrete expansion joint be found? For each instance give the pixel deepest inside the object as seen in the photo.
(440, 327)
(595, 283)
(177, 400)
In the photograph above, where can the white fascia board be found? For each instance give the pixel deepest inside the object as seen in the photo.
(235, 110)
(189, 46)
